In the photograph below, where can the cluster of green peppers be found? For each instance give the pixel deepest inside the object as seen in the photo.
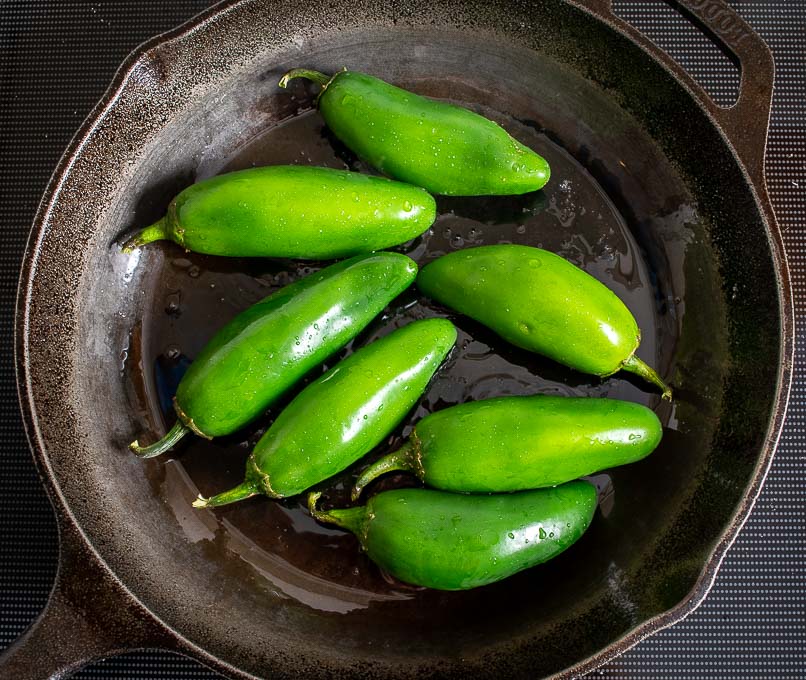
(501, 470)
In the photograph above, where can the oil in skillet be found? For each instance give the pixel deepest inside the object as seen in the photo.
(195, 295)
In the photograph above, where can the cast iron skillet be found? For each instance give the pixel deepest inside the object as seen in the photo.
(655, 190)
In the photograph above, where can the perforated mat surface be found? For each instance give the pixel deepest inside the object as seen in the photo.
(57, 58)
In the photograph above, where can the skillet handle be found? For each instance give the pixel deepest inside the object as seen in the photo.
(746, 123)
(89, 616)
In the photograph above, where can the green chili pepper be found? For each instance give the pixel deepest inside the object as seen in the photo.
(267, 348)
(516, 443)
(455, 542)
(344, 414)
(444, 148)
(292, 211)
(543, 303)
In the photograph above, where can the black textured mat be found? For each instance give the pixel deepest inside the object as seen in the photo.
(56, 59)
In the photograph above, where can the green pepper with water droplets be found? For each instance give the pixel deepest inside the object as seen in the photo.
(454, 541)
(516, 443)
(344, 414)
(292, 211)
(267, 348)
(540, 302)
(444, 148)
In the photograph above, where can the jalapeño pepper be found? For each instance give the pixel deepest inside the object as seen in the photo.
(516, 443)
(541, 302)
(292, 211)
(441, 147)
(267, 348)
(344, 414)
(455, 541)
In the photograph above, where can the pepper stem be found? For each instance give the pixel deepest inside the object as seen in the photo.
(352, 519)
(159, 231)
(402, 459)
(170, 440)
(239, 493)
(315, 76)
(635, 365)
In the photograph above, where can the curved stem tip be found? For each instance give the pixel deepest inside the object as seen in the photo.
(635, 365)
(313, 498)
(315, 76)
(352, 519)
(159, 231)
(170, 440)
(402, 459)
(239, 493)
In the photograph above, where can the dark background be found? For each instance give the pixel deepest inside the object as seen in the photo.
(57, 58)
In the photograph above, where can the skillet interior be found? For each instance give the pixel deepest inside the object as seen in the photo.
(259, 585)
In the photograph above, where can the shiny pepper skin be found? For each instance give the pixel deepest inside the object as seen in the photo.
(441, 147)
(267, 348)
(292, 211)
(455, 541)
(341, 416)
(516, 443)
(541, 302)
